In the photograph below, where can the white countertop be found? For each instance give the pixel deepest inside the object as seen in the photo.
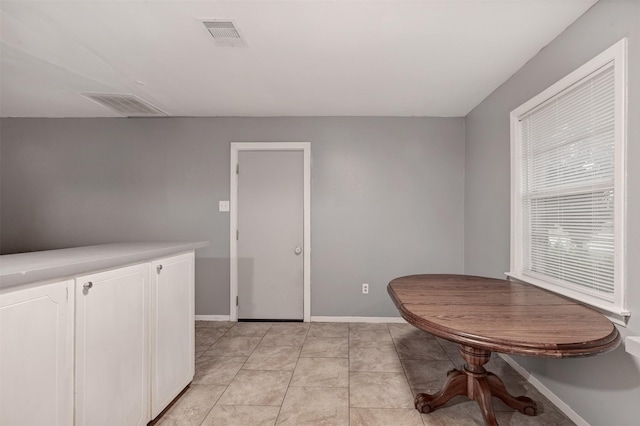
(25, 268)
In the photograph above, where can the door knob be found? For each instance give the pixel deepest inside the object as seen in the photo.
(86, 287)
(298, 250)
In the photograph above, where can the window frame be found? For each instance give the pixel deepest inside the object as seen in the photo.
(615, 55)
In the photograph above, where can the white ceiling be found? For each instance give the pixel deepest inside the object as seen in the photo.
(304, 58)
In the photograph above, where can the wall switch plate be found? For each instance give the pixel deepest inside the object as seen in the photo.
(365, 288)
(223, 206)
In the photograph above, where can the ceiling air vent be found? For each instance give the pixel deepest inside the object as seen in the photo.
(127, 105)
(224, 32)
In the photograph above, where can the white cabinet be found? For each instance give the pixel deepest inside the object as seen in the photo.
(36, 355)
(79, 347)
(112, 347)
(172, 328)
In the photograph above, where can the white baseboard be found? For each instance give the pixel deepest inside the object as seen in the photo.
(562, 406)
(212, 317)
(390, 320)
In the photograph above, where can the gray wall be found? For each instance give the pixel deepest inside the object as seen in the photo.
(604, 390)
(387, 195)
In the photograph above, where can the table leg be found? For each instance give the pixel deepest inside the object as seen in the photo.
(477, 384)
(523, 404)
(455, 385)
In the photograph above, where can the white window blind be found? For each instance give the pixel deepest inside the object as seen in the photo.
(568, 159)
(567, 187)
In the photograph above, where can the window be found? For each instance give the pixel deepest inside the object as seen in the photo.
(568, 184)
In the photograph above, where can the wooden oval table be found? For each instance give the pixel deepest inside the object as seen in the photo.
(485, 315)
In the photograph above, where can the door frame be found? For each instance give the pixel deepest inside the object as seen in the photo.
(236, 147)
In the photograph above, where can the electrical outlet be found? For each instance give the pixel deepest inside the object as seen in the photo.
(365, 288)
(223, 206)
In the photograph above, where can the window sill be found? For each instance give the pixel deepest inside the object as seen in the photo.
(615, 315)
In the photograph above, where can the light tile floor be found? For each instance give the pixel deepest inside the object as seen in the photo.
(332, 374)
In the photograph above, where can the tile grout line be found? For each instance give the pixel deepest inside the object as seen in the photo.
(404, 370)
(194, 361)
(349, 371)
(226, 387)
(234, 376)
(291, 378)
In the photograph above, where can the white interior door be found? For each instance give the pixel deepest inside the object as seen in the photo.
(270, 235)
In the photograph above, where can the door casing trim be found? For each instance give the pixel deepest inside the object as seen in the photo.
(236, 147)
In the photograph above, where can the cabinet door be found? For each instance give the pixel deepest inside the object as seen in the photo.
(112, 350)
(172, 328)
(36, 355)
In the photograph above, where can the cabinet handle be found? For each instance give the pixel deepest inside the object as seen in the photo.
(87, 287)
(159, 268)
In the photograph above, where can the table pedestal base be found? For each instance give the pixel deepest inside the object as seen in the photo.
(477, 384)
